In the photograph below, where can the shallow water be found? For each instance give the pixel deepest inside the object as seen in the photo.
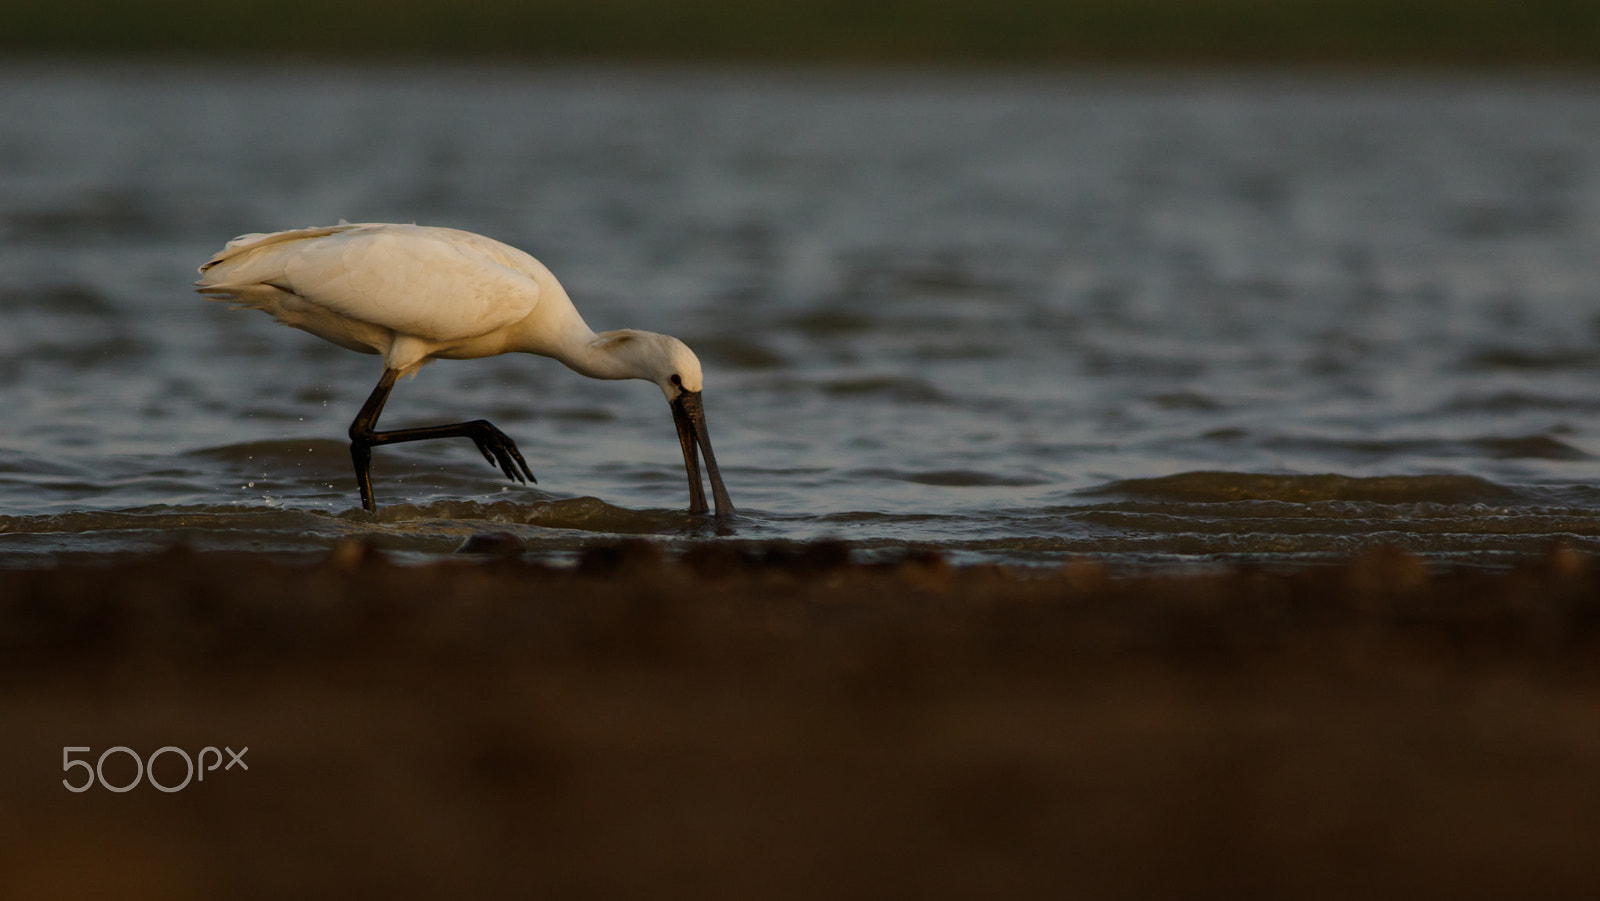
(1162, 319)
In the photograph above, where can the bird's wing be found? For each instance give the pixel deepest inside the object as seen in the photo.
(260, 240)
(437, 284)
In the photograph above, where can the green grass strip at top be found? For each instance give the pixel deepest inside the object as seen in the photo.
(1267, 31)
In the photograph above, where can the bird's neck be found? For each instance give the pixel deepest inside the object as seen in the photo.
(601, 356)
(556, 330)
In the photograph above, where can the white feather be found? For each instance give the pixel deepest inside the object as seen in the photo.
(438, 285)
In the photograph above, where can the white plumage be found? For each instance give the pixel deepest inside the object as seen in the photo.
(414, 294)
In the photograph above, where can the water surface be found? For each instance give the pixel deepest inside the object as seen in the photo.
(1018, 318)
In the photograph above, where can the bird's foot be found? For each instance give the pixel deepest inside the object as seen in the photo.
(500, 450)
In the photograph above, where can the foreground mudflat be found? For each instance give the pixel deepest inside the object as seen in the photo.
(793, 725)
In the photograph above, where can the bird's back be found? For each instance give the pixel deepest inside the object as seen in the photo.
(434, 284)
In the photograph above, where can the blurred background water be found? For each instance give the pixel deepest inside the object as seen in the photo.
(1016, 317)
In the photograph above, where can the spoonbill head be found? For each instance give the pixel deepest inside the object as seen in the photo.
(674, 368)
(413, 294)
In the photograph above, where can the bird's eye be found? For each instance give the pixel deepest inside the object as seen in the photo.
(677, 380)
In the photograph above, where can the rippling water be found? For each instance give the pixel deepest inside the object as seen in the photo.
(1014, 317)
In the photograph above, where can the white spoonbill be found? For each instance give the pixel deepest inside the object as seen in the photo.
(413, 294)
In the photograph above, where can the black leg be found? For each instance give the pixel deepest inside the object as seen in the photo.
(495, 446)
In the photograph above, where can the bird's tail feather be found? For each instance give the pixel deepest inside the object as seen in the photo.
(246, 243)
(252, 296)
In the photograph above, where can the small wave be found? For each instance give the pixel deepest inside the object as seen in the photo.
(91, 351)
(174, 519)
(292, 450)
(1533, 360)
(954, 478)
(290, 458)
(91, 214)
(588, 514)
(899, 388)
(1529, 447)
(439, 527)
(1494, 447)
(1185, 400)
(73, 299)
(830, 323)
(1518, 402)
(1216, 487)
(740, 353)
(1142, 551)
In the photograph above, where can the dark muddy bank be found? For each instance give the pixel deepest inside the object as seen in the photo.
(786, 723)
